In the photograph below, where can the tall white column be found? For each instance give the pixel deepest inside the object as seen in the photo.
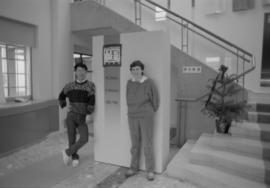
(62, 63)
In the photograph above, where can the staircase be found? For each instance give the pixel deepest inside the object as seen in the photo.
(241, 160)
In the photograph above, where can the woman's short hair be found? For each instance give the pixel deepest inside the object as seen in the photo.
(80, 65)
(136, 63)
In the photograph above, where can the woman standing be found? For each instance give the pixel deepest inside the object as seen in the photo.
(142, 102)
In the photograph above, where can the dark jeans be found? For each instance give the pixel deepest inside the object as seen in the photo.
(76, 122)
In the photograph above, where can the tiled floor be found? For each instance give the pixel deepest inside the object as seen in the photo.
(91, 174)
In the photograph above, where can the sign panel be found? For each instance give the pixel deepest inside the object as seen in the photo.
(112, 55)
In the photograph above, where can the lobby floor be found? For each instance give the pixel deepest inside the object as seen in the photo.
(41, 165)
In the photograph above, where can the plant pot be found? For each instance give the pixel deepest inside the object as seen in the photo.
(223, 126)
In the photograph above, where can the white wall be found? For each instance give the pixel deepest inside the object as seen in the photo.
(112, 142)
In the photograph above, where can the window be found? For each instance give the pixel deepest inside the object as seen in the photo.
(160, 14)
(82, 58)
(15, 65)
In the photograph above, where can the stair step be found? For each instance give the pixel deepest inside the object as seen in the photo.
(263, 98)
(181, 158)
(260, 117)
(259, 107)
(238, 145)
(235, 164)
(203, 176)
(208, 177)
(259, 131)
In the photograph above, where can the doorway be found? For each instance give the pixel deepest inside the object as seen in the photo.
(265, 73)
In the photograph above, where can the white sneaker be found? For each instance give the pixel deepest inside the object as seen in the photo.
(150, 176)
(75, 162)
(66, 158)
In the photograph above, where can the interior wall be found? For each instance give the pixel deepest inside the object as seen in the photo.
(27, 123)
(112, 144)
(190, 86)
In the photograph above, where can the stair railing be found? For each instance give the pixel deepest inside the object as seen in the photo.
(190, 30)
(196, 41)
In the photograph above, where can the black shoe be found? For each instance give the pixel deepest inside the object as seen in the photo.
(130, 173)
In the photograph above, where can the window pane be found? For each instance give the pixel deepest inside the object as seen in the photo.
(21, 91)
(20, 67)
(3, 51)
(5, 80)
(20, 57)
(20, 80)
(4, 65)
(11, 66)
(12, 92)
(11, 80)
(86, 56)
(76, 55)
(20, 51)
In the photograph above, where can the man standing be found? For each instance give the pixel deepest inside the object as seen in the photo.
(81, 95)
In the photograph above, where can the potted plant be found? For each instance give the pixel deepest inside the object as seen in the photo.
(226, 101)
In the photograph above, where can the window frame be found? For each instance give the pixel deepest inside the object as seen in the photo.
(27, 61)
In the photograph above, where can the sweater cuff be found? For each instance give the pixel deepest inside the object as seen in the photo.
(90, 109)
(62, 103)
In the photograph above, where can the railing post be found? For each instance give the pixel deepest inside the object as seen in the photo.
(243, 70)
(237, 64)
(169, 4)
(138, 12)
(184, 39)
(181, 123)
(178, 125)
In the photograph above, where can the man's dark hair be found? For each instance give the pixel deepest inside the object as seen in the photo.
(80, 65)
(137, 63)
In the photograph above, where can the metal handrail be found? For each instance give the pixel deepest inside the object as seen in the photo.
(186, 99)
(238, 49)
(230, 81)
(207, 93)
(197, 26)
